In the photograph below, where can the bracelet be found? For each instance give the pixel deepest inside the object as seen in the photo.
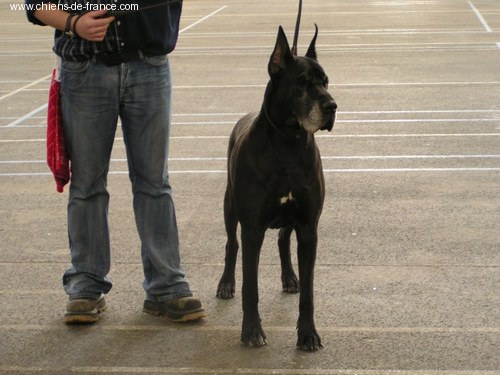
(67, 28)
(74, 24)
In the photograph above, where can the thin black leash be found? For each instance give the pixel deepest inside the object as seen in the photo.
(294, 52)
(297, 27)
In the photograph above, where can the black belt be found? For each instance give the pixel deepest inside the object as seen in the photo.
(116, 58)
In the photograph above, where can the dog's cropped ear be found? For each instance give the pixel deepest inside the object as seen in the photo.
(281, 55)
(311, 51)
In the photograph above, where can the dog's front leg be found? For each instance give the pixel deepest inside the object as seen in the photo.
(251, 241)
(226, 287)
(307, 337)
(289, 280)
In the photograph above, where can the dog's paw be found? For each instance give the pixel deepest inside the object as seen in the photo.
(252, 332)
(225, 290)
(310, 342)
(254, 337)
(290, 284)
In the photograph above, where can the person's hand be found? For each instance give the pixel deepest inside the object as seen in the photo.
(92, 26)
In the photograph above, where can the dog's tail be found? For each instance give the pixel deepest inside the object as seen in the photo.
(297, 27)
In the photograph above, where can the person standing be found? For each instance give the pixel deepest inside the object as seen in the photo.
(118, 67)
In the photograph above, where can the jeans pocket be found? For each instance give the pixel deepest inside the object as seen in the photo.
(75, 66)
(75, 75)
(156, 60)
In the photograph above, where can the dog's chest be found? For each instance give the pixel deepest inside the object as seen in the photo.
(284, 215)
(285, 205)
(287, 198)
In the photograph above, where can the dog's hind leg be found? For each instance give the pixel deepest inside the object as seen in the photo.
(226, 287)
(308, 339)
(289, 280)
(251, 332)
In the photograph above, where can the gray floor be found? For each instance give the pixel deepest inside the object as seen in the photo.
(407, 280)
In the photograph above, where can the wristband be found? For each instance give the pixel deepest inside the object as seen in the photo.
(74, 24)
(67, 28)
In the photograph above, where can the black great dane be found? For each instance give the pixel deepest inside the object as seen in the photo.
(275, 180)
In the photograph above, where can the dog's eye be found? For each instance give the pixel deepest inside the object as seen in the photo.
(325, 82)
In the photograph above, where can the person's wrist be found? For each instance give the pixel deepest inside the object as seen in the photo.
(68, 29)
(77, 18)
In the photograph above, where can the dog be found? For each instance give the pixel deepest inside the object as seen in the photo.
(275, 180)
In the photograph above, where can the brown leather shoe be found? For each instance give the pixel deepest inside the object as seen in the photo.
(177, 309)
(84, 310)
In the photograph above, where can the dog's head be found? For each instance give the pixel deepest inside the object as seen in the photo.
(300, 87)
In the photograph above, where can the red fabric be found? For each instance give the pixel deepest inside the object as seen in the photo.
(57, 157)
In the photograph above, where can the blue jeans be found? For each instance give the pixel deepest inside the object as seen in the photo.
(93, 96)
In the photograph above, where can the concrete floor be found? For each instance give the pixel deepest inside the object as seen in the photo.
(407, 278)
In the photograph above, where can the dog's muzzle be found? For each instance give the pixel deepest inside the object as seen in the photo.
(330, 109)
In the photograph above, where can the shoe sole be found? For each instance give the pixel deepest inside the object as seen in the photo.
(84, 317)
(189, 317)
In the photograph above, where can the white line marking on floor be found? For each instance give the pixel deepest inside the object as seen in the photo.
(347, 157)
(203, 19)
(222, 114)
(27, 116)
(25, 87)
(214, 114)
(340, 136)
(232, 371)
(339, 85)
(409, 135)
(404, 170)
(417, 120)
(355, 121)
(407, 157)
(338, 122)
(480, 17)
(22, 140)
(357, 136)
(204, 123)
(346, 170)
(425, 111)
(400, 31)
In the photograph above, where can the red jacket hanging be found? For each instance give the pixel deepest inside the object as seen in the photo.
(57, 156)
